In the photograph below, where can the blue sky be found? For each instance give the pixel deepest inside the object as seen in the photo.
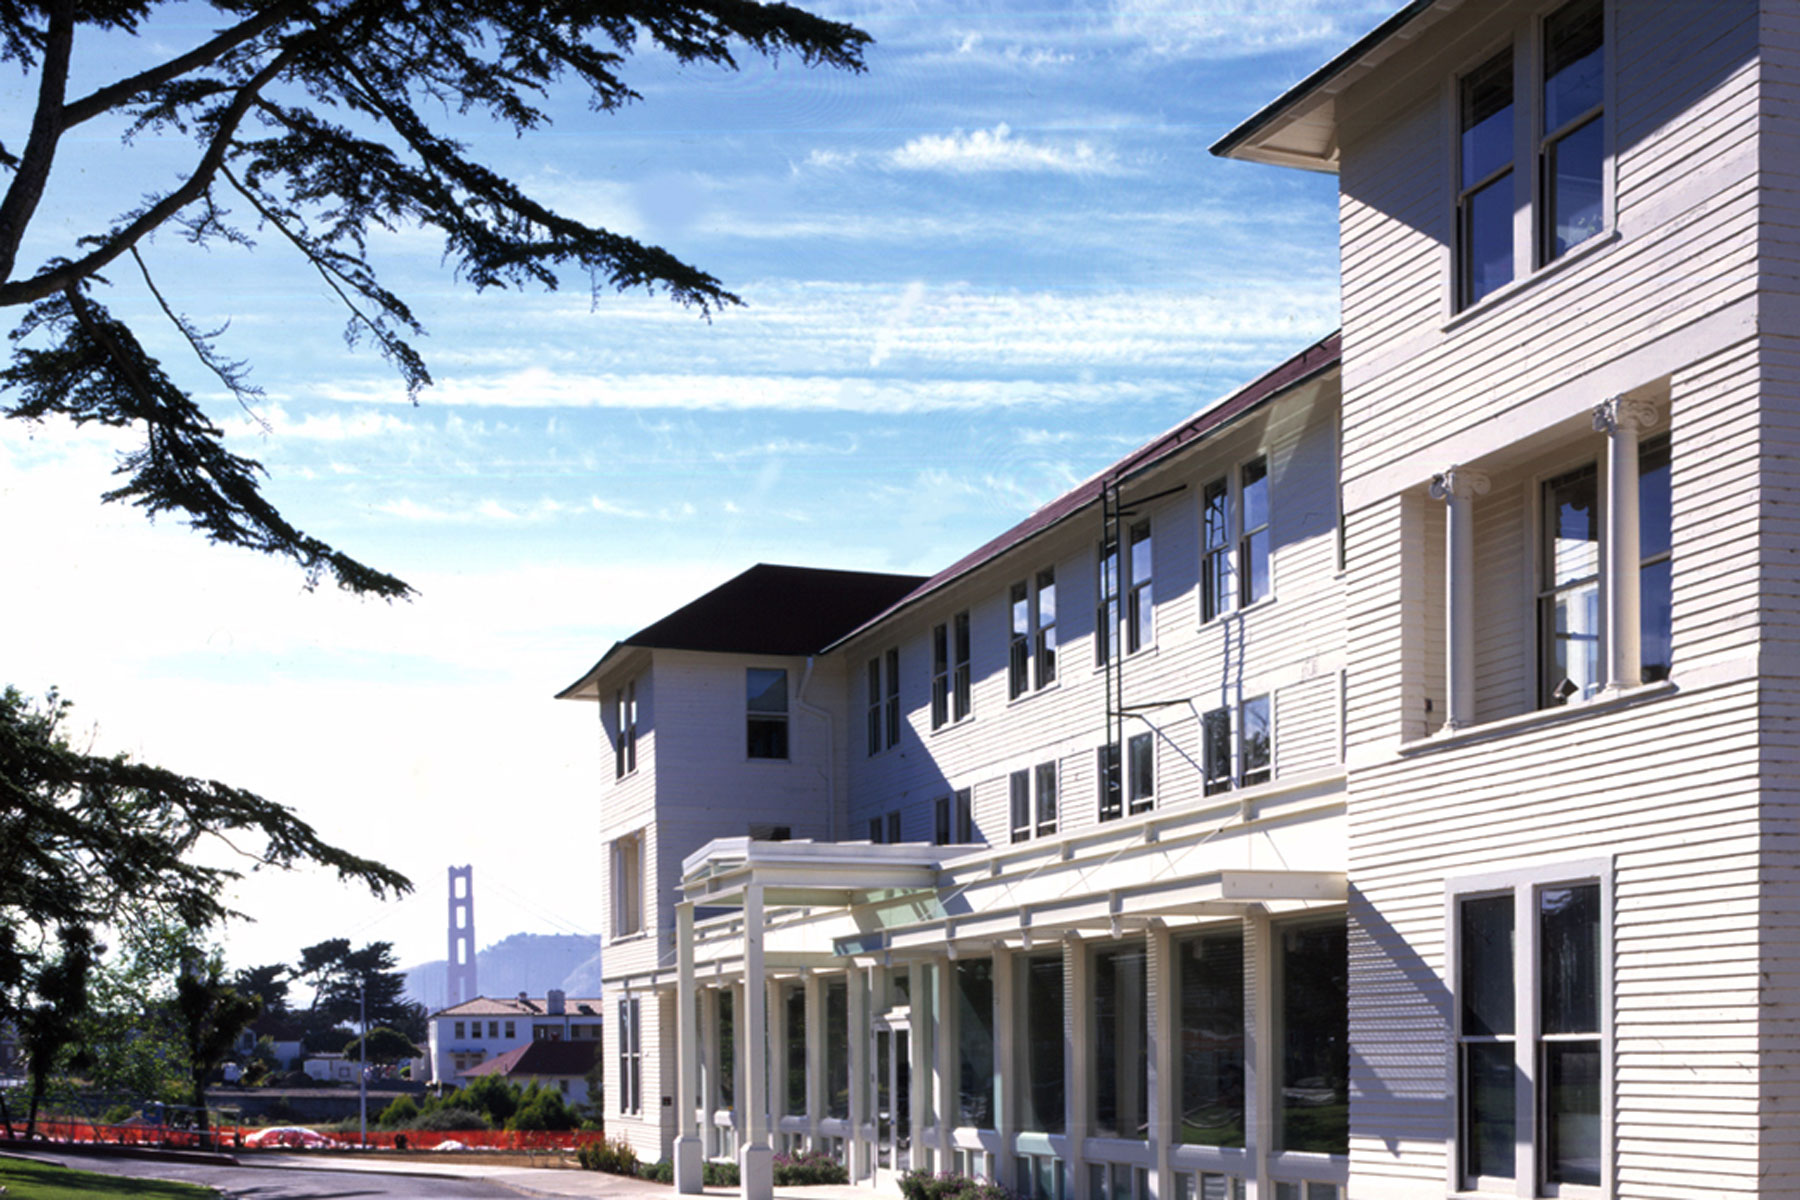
(974, 275)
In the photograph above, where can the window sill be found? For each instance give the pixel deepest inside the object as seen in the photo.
(1239, 613)
(1540, 718)
(1025, 696)
(1605, 238)
(953, 726)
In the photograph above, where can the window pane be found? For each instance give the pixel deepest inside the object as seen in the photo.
(1488, 1082)
(1107, 767)
(1142, 771)
(1215, 749)
(1654, 510)
(1487, 239)
(767, 690)
(1654, 617)
(1573, 188)
(1120, 1044)
(1211, 1039)
(796, 1050)
(975, 1042)
(1046, 798)
(1573, 78)
(1021, 805)
(1572, 527)
(1314, 1100)
(768, 737)
(1256, 750)
(727, 1051)
(837, 1049)
(1486, 111)
(1041, 1049)
(1572, 1112)
(1256, 493)
(1572, 631)
(1569, 948)
(1486, 983)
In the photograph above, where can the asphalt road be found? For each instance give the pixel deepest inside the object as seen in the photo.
(288, 1183)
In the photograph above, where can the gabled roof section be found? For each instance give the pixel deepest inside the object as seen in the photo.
(520, 1006)
(541, 1059)
(1309, 363)
(1299, 128)
(773, 610)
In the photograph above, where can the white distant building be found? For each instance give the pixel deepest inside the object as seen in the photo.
(1377, 786)
(465, 1035)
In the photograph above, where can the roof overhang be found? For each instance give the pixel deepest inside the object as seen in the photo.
(1300, 128)
(806, 873)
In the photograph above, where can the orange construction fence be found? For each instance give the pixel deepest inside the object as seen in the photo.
(234, 1137)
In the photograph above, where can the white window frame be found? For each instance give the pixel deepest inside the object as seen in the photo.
(625, 722)
(1524, 884)
(952, 823)
(631, 1057)
(950, 683)
(1041, 786)
(1237, 775)
(1526, 39)
(784, 717)
(1036, 668)
(1233, 549)
(628, 885)
(1139, 790)
(884, 716)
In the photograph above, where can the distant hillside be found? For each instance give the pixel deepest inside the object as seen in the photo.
(524, 962)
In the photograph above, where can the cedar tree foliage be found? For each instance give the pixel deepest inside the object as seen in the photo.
(91, 842)
(313, 127)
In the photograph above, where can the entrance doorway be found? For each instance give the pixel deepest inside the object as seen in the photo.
(893, 1100)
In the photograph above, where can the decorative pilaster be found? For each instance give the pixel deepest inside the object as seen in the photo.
(1458, 488)
(1622, 419)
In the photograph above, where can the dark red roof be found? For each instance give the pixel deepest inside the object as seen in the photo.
(542, 1059)
(1303, 366)
(773, 610)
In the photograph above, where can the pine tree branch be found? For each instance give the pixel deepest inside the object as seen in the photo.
(27, 187)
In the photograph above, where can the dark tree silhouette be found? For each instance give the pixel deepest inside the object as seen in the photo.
(313, 127)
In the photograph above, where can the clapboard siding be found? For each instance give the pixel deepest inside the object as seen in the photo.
(1278, 644)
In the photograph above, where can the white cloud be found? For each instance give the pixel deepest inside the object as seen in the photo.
(1238, 28)
(999, 150)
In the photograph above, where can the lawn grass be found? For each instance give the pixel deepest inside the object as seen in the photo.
(42, 1181)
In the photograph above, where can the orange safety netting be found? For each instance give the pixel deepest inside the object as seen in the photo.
(233, 1137)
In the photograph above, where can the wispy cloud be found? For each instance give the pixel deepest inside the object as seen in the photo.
(998, 150)
(1240, 28)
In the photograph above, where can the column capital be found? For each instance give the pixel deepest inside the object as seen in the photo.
(1459, 483)
(1617, 413)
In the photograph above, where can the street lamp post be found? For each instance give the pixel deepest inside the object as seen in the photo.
(362, 1005)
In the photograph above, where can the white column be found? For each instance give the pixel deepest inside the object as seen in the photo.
(1622, 418)
(756, 1162)
(688, 1153)
(1260, 1077)
(818, 1036)
(947, 1094)
(1458, 488)
(1163, 1118)
(1006, 1104)
(860, 1163)
(1077, 1084)
(918, 1066)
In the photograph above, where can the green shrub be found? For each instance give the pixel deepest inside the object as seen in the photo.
(660, 1171)
(615, 1157)
(449, 1118)
(118, 1114)
(399, 1113)
(543, 1109)
(922, 1185)
(807, 1170)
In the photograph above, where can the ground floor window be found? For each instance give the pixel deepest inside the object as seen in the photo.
(975, 1043)
(1120, 1043)
(1210, 1028)
(1547, 930)
(631, 1094)
(1040, 1056)
(837, 1048)
(727, 1087)
(794, 1004)
(1312, 1096)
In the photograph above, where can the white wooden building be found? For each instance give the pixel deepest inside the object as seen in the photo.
(1376, 786)
(463, 1036)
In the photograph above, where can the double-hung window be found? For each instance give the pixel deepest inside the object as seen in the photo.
(767, 712)
(625, 730)
(953, 823)
(1140, 605)
(950, 670)
(631, 1057)
(1140, 772)
(1032, 652)
(884, 702)
(1570, 557)
(1240, 752)
(1234, 540)
(1531, 1012)
(1033, 813)
(628, 885)
(1564, 135)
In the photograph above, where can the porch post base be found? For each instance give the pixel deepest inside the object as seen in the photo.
(689, 1166)
(756, 1173)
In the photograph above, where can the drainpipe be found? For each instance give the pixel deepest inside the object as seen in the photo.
(830, 747)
